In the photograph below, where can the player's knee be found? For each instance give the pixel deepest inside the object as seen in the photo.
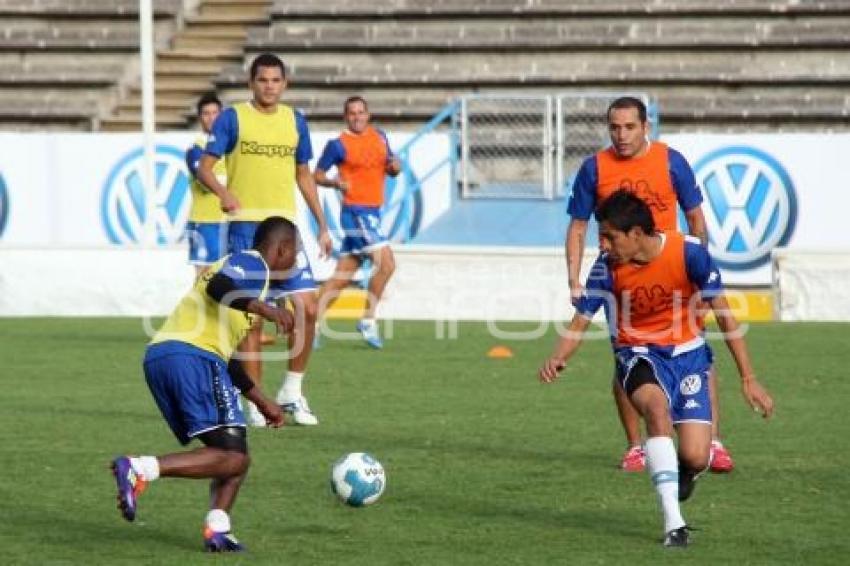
(311, 311)
(231, 439)
(695, 459)
(387, 266)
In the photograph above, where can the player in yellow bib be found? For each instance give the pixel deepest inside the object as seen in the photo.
(206, 230)
(266, 148)
(193, 378)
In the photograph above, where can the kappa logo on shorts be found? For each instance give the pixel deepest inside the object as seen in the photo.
(124, 206)
(752, 205)
(692, 404)
(691, 385)
(4, 205)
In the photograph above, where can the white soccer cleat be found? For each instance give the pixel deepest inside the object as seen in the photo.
(299, 411)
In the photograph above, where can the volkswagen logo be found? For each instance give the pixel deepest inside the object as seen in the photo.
(4, 205)
(123, 204)
(752, 206)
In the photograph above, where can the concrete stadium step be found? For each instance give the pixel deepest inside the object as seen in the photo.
(226, 8)
(559, 34)
(634, 67)
(115, 9)
(133, 122)
(350, 9)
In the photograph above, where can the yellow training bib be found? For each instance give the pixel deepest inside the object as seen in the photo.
(206, 206)
(200, 321)
(261, 167)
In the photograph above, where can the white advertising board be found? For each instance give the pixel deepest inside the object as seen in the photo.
(77, 190)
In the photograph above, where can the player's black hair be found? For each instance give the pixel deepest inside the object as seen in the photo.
(207, 98)
(353, 99)
(274, 227)
(628, 102)
(267, 60)
(624, 210)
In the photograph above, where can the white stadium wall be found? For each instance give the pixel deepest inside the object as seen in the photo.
(811, 285)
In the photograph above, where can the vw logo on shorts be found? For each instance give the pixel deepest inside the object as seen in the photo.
(123, 204)
(4, 205)
(752, 205)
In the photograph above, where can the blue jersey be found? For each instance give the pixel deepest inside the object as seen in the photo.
(677, 173)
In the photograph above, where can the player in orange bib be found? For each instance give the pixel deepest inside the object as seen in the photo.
(363, 160)
(661, 176)
(652, 285)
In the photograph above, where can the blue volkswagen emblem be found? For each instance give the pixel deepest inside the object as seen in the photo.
(752, 205)
(4, 205)
(123, 204)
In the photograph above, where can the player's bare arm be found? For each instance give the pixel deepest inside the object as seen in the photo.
(696, 224)
(564, 349)
(574, 249)
(323, 180)
(307, 186)
(756, 395)
(229, 202)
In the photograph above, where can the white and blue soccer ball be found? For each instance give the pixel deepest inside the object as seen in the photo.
(358, 479)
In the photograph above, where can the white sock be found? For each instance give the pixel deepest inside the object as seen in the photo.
(218, 520)
(368, 322)
(663, 466)
(291, 389)
(146, 466)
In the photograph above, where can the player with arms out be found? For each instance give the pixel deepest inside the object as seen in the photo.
(206, 227)
(190, 371)
(651, 285)
(363, 159)
(662, 177)
(267, 149)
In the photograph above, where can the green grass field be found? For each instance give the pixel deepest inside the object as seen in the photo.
(484, 465)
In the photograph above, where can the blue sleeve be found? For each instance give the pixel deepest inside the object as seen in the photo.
(248, 272)
(304, 151)
(193, 159)
(224, 133)
(333, 154)
(684, 182)
(583, 199)
(383, 135)
(598, 290)
(701, 269)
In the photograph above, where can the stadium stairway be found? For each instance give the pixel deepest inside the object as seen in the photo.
(210, 38)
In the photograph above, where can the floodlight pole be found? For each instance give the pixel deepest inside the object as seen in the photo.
(148, 117)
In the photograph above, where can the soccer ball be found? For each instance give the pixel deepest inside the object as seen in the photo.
(358, 479)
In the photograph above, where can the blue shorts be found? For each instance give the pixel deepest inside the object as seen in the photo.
(206, 242)
(192, 390)
(361, 226)
(240, 237)
(683, 377)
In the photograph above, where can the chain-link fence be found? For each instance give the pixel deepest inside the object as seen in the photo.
(506, 145)
(516, 146)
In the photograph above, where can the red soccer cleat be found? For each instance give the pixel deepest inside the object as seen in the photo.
(634, 460)
(721, 460)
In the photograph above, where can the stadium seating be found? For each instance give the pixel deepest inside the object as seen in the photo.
(756, 65)
(62, 62)
(753, 64)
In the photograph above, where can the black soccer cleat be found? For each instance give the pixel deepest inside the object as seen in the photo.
(687, 483)
(677, 538)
